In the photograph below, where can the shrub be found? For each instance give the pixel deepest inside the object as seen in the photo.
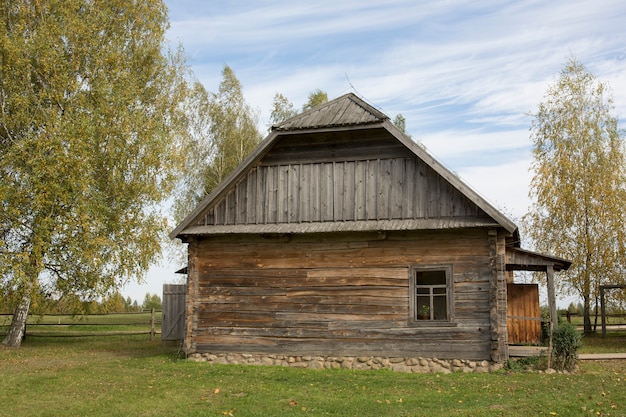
(565, 345)
(528, 364)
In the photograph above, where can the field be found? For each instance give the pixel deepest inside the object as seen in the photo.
(129, 375)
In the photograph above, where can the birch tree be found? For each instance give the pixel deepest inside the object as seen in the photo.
(578, 188)
(316, 98)
(88, 113)
(233, 130)
(282, 109)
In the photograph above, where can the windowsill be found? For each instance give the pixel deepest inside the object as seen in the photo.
(432, 323)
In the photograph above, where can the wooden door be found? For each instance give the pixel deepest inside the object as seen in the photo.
(523, 314)
(173, 321)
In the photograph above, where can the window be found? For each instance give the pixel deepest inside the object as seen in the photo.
(431, 293)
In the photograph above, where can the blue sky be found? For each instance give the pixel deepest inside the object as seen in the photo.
(464, 74)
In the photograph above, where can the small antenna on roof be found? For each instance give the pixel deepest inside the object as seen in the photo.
(361, 96)
(352, 86)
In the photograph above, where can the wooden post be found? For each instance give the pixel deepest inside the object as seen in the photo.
(152, 325)
(551, 295)
(603, 311)
(552, 306)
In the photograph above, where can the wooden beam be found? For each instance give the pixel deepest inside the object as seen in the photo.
(603, 311)
(551, 295)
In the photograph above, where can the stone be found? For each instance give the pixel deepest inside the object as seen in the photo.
(267, 361)
(298, 364)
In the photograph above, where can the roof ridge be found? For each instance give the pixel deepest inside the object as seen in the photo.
(345, 110)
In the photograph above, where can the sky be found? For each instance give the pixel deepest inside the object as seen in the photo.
(466, 75)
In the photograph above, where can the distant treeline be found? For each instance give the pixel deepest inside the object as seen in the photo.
(74, 304)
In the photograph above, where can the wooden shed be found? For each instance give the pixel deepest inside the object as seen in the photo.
(341, 236)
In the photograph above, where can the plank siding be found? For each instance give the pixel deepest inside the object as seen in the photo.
(305, 179)
(338, 294)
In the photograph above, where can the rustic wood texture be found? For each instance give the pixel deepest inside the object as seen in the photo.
(173, 315)
(347, 110)
(308, 179)
(524, 314)
(337, 294)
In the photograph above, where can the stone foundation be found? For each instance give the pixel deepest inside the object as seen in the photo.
(417, 365)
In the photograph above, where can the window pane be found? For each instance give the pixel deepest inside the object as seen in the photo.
(440, 308)
(423, 308)
(431, 278)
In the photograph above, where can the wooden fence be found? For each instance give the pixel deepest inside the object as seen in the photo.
(110, 324)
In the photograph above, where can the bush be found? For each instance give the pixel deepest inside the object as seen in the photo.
(565, 345)
(528, 364)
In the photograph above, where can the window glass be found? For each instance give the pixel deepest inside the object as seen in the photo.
(431, 293)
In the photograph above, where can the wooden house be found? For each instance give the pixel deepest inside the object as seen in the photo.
(339, 236)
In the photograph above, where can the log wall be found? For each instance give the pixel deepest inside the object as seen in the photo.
(336, 294)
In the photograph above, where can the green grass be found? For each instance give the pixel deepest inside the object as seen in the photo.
(595, 343)
(121, 376)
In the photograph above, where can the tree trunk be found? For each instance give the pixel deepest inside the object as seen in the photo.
(18, 324)
(587, 315)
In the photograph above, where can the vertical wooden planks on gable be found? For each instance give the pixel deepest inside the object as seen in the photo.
(272, 195)
(349, 190)
(305, 193)
(327, 191)
(294, 202)
(261, 202)
(421, 190)
(282, 194)
(384, 189)
(409, 190)
(338, 177)
(433, 194)
(398, 189)
(252, 197)
(360, 190)
(371, 190)
(315, 193)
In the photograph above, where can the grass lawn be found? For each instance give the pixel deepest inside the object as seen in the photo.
(595, 343)
(131, 376)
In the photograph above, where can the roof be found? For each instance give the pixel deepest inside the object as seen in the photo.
(347, 112)
(518, 259)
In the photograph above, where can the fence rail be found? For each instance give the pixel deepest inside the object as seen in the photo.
(102, 324)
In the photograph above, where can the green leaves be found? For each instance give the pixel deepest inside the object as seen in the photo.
(579, 186)
(89, 124)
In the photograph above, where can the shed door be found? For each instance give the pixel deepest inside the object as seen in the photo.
(524, 316)
(173, 322)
